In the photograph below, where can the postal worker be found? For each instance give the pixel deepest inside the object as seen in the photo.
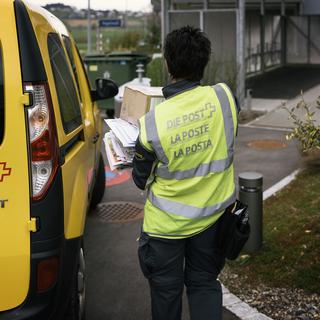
(184, 159)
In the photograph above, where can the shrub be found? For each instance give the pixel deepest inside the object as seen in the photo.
(156, 72)
(305, 130)
(221, 71)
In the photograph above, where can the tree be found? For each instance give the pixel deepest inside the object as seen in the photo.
(153, 31)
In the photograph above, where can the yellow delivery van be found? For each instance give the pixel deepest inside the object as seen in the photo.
(51, 168)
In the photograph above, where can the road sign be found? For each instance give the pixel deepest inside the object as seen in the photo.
(110, 23)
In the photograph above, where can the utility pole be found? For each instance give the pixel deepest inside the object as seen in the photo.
(164, 20)
(89, 29)
(164, 31)
(241, 54)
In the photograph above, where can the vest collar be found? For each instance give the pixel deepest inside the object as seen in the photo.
(178, 87)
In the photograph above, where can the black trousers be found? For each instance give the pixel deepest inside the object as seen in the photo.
(195, 262)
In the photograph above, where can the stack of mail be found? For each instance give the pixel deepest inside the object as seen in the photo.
(120, 142)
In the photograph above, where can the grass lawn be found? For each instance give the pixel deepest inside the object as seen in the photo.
(113, 39)
(290, 256)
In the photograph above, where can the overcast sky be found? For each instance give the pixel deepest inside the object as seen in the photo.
(133, 5)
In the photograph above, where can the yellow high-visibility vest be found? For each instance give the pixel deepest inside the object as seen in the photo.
(192, 135)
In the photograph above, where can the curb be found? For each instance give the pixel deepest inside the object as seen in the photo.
(280, 185)
(240, 308)
(232, 302)
(249, 125)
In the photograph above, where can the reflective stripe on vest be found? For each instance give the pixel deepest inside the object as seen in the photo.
(153, 136)
(205, 168)
(188, 211)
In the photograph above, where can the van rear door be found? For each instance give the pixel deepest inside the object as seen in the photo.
(14, 180)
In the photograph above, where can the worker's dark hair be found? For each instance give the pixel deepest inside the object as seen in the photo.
(187, 51)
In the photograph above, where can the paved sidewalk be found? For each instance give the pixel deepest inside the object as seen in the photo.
(265, 105)
(273, 163)
(280, 85)
(279, 117)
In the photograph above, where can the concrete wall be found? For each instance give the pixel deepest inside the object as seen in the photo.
(303, 41)
(315, 38)
(311, 7)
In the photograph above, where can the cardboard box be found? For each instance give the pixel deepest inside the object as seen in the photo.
(138, 100)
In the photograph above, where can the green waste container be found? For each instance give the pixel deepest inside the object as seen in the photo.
(118, 66)
(96, 68)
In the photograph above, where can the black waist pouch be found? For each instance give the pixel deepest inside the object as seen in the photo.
(233, 230)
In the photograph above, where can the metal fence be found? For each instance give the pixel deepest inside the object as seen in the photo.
(260, 56)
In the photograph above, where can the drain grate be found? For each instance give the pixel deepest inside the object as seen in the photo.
(266, 144)
(119, 211)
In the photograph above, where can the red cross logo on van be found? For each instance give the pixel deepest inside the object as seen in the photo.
(4, 171)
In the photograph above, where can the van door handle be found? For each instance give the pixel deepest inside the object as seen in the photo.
(95, 138)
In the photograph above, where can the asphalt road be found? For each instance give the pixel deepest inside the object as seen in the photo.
(116, 289)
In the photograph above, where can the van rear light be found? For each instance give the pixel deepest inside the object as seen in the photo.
(47, 273)
(42, 139)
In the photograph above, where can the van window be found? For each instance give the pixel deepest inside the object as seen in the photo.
(68, 45)
(1, 98)
(65, 87)
(77, 54)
